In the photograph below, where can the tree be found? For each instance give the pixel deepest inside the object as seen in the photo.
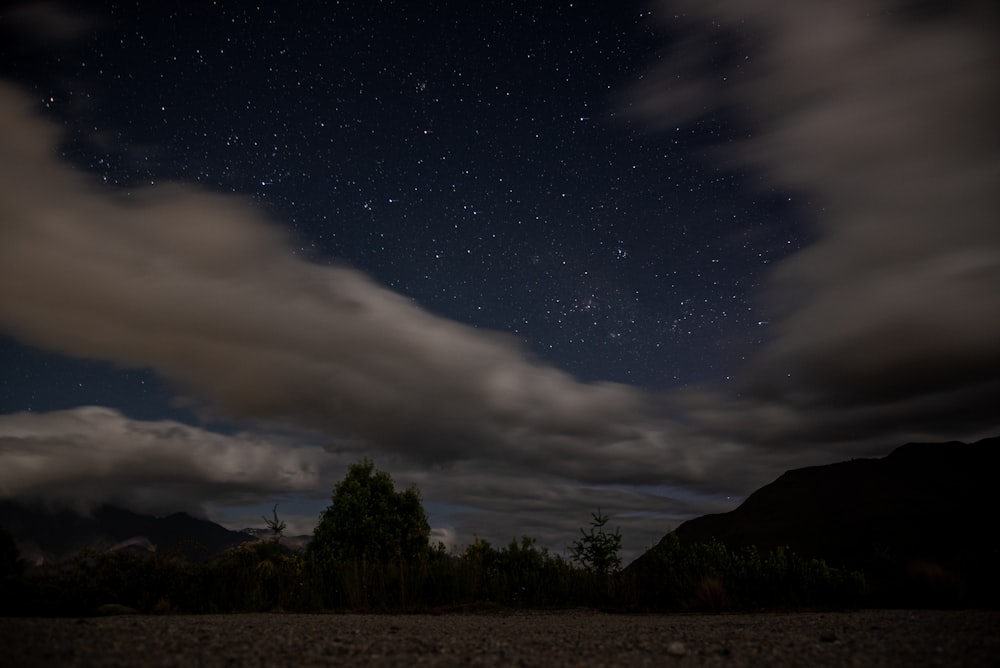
(369, 521)
(276, 526)
(597, 550)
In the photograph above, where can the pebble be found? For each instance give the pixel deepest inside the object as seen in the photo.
(509, 638)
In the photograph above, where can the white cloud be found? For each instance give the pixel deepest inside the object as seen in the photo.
(90, 455)
(203, 290)
(886, 120)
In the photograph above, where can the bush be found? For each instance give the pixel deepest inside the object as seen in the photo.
(711, 576)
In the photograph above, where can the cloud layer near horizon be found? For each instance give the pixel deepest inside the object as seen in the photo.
(92, 455)
(884, 115)
(85, 457)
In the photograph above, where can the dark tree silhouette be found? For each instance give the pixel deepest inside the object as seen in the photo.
(276, 526)
(369, 521)
(10, 557)
(597, 550)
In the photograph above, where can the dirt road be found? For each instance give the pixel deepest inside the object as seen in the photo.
(549, 639)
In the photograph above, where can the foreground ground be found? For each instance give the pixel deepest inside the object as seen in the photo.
(550, 639)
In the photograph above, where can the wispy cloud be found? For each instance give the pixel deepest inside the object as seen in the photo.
(88, 456)
(884, 115)
(203, 290)
(47, 23)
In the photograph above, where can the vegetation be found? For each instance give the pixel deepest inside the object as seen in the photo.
(10, 559)
(711, 576)
(371, 552)
(275, 526)
(263, 576)
(370, 541)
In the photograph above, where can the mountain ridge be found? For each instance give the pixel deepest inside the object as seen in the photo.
(924, 505)
(46, 534)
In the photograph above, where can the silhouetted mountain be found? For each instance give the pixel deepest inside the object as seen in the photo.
(930, 506)
(52, 534)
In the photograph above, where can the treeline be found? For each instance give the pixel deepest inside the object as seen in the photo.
(370, 552)
(264, 576)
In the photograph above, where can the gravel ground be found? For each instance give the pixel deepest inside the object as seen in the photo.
(550, 639)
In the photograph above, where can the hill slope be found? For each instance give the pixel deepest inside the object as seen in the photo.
(930, 506)
(45, 534)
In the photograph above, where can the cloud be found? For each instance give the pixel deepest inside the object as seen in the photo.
(209, 294)
(885, 117)
(88, 456)
(205, 291)
(502, 502)
(882, 331)
(47, 23)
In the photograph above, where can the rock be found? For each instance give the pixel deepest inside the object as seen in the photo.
(676, 648)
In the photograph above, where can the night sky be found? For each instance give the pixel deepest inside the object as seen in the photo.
(534, 259)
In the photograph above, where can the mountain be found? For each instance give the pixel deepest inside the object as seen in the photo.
(924, 506)
(44, 534)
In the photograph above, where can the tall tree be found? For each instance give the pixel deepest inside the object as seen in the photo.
(368, 520)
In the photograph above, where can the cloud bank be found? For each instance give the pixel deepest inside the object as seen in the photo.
(884, 114)
(92, 455)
